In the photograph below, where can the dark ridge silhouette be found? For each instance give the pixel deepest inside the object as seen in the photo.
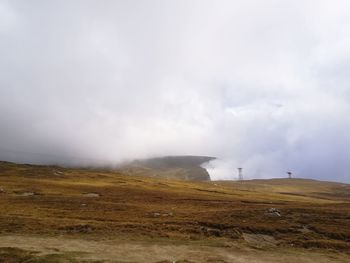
(172, 167)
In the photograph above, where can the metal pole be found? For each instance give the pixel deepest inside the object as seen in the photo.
(240, 174)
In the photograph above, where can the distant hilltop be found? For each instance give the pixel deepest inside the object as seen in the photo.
(171, 167)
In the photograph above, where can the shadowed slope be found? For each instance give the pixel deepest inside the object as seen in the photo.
(171, 167)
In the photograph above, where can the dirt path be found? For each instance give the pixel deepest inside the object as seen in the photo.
(118, 251)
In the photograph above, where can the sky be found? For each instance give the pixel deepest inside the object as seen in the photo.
(259, 84)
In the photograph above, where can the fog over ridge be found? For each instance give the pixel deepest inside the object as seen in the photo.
(262, 85)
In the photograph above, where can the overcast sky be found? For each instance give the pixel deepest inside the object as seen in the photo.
(263, 85)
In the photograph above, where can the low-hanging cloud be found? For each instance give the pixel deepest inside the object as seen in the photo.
(262, 85)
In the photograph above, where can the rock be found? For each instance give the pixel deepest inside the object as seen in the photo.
(273, 212)
(168, 214)
(58, 173)
(156, 214)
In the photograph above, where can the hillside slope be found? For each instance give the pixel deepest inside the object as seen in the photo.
(170, 167)
(106, 215)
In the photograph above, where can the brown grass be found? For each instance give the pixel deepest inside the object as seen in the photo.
(313, 214)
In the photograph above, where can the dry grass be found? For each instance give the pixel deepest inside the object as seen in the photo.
(313, 214)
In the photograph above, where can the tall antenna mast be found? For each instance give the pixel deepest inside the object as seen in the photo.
(240, 174)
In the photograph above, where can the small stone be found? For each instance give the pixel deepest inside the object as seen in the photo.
(273, 211)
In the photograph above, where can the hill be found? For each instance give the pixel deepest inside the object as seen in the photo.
(55, 214)
(170, 167)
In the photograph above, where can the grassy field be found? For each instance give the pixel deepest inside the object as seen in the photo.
(54, 214)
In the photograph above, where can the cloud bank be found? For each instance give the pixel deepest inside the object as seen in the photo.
(263, 85)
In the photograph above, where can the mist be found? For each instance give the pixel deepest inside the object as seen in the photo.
(262, 85)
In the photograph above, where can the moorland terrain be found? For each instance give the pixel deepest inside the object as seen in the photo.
(56, 214)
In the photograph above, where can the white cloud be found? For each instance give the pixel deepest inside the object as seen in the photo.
(260, 84)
